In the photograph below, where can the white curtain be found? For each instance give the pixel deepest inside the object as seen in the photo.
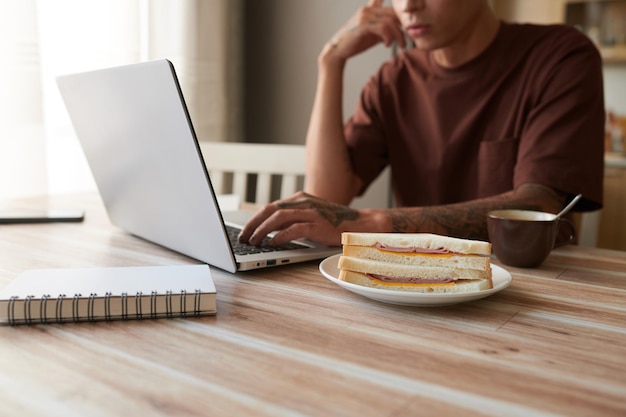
(40, 39)
(22, 144)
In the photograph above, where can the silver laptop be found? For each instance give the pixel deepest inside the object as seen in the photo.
(137, 136)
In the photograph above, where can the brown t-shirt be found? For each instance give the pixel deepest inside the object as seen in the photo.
(528, 109)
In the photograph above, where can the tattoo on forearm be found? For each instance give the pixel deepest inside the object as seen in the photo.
(469, 220)
(443, 220)
(335, 214)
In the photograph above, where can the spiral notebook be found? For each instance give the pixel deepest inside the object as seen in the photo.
(122, 293)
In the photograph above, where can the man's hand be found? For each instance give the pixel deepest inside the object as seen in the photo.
(306, 216)
(372, 24)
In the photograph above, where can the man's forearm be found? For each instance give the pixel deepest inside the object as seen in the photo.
(324, 221)
(469, 219)
(328, 169)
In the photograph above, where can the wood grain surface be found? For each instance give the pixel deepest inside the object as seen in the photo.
(288, 342)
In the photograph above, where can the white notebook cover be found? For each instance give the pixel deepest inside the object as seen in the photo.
(90, 294)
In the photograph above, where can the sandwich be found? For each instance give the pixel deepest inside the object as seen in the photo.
(419, 262)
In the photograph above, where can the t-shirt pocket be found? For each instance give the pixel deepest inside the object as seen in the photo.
(496, 166)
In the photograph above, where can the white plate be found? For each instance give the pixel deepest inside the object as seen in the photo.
(501, 279)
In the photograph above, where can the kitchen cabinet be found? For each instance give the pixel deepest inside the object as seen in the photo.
(604, 21)
(612, 227)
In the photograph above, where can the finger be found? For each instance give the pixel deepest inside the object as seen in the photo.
(268, 210)
(280, 220)
(255, 221)
(400, 38)
(370, 14)
(386, 26)
(384, 34)
(375, 3)
(299, 199)
(393, 33)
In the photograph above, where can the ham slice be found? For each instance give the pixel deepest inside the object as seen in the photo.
(438, 251)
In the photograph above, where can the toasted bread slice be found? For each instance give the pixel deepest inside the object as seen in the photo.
(418, 259)
(417, 240)
(367, 266)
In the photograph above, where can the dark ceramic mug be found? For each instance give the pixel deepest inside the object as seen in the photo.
(525, 238)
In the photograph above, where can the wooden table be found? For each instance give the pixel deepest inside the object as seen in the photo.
(286, 341)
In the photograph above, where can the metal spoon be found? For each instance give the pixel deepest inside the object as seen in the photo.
(569, 206)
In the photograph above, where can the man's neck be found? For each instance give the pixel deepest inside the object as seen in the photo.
(470, 44)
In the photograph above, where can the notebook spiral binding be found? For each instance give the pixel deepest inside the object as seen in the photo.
(30, 316)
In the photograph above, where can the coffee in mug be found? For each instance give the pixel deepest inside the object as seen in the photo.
(525, 238)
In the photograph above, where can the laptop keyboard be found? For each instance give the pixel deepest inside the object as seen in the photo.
(245, 249)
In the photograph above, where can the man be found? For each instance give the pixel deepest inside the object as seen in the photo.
(479, 115)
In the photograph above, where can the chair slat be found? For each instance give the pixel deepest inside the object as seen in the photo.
(217, 180)
(239, 184)
(263, 188)
(273, 159)
(288, 185)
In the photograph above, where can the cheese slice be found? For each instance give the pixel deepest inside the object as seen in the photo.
(407, 284)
